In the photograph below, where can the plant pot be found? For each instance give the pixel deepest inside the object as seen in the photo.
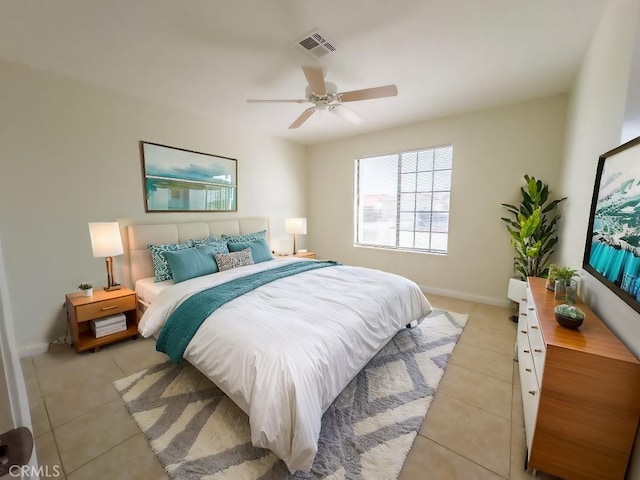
(88, 292)
(566, 291)
(551, 286)
(568, 322)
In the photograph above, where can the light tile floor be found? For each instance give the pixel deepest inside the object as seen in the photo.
(473, 430)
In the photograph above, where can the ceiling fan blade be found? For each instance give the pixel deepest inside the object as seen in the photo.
(315, 78)
(346, 113)
(303, 117)
(368, 93)
(277, 101)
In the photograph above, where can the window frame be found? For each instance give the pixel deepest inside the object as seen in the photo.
(399, 192)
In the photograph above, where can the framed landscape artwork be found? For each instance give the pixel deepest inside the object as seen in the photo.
(612, 251)
(179, 180)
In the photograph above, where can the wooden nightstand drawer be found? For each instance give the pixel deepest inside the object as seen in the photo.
(91, 311)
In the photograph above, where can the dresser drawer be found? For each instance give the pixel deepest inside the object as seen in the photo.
(104, 308)
(530, 388)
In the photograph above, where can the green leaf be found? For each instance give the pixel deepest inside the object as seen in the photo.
(533, 230)
(553, 205)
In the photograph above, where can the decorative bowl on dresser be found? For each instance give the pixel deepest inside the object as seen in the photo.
(580, 392)
(569, 316)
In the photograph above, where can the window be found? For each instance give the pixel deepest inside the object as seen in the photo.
(402, 200)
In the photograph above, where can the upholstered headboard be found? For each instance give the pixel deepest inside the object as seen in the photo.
(140, 235)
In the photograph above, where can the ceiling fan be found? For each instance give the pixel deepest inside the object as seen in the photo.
(325, 96)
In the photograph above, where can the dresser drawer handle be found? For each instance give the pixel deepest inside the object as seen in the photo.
(523, 299)
(109, 308)
(532, 392)
(527, 369)
(523, 331)
(537, 350)
(534, 326)
(530, 308)
(527, 351)
(523, 314)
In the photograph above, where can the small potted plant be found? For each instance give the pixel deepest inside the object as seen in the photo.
(559, 273)
(560, 280)
(569, 316)
(87, 289)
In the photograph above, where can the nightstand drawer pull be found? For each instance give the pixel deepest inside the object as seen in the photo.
(534, 326)
(523, 331)
(527, 369)
(537, 350)
(527, 351)
(109, 308)
(532, 392)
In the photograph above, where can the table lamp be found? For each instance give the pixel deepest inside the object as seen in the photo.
(295, 227)
(106, 242)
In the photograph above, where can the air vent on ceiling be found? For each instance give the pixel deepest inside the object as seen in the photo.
(315, 45)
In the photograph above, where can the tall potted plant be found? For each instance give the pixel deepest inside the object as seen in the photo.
(533, 228)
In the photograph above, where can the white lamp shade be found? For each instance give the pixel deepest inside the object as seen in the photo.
(296, 226)
(517, 290)
(105, 239)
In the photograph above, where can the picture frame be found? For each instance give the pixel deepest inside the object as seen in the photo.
(612, 250)
(180, 180)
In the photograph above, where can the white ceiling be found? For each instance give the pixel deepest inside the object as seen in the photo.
(209, 56)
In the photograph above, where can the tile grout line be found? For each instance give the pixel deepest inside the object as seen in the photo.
(462, 456)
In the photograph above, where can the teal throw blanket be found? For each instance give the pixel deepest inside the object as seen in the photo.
(185, 320)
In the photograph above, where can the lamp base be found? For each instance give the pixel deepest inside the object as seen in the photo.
(111, 283)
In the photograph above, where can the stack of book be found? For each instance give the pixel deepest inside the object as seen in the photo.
(109, 325)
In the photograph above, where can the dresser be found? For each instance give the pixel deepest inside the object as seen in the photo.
(580, 392)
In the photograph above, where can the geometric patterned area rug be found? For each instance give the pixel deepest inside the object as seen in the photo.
(197, 432)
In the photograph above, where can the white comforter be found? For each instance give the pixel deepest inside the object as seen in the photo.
(284, 351)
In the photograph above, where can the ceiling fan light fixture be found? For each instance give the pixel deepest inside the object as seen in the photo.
(325, 96)
(345, 113)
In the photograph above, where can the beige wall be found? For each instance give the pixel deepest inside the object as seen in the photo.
(70, 155)
(594, 125)
(492, 150)
(595, 119)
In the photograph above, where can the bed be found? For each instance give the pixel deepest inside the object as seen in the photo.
(283, 351)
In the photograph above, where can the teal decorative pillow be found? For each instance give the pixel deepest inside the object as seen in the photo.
(247, 237)
(259, 250)
(234, 260)
(192, 262)
(205, 240)
(162, 270)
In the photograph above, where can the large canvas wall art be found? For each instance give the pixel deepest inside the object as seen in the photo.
(612, 251)
(179, 180)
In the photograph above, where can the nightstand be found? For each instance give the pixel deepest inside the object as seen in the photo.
(81, 310)
(305, 255)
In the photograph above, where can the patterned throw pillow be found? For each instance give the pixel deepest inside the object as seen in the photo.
(160, 265)
(234, 260)
(247, 237)
(205, 240)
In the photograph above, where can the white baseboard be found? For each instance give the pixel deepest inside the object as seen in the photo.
(33, 350)
(465, 296)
